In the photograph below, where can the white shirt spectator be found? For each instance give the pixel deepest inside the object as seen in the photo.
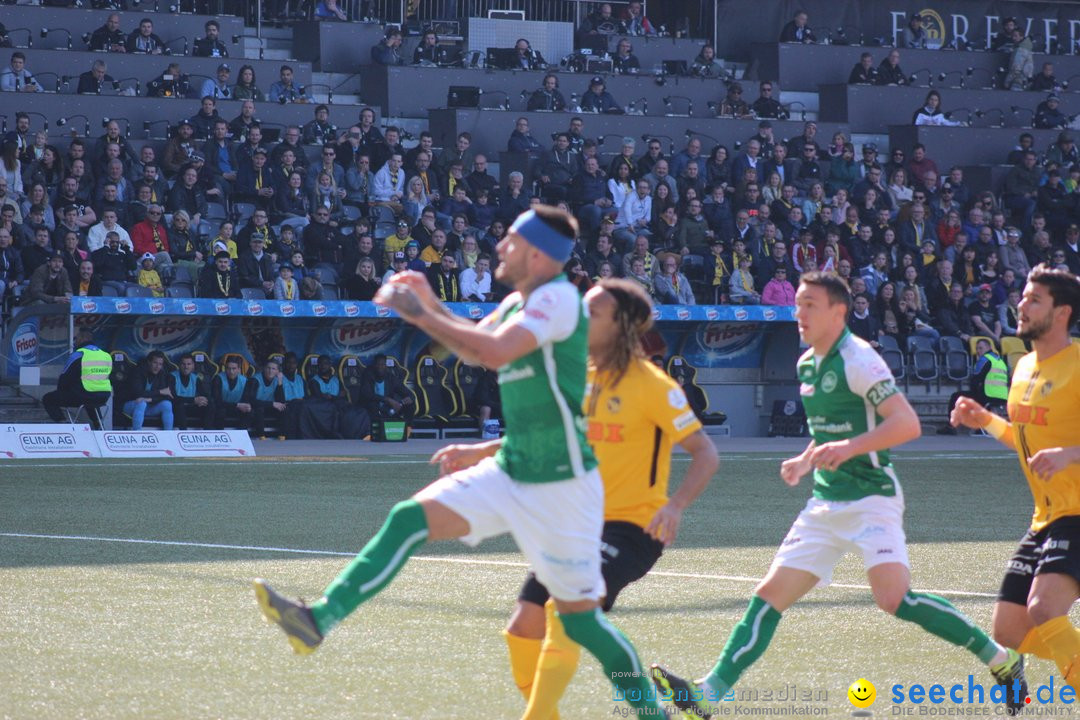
(95, 238)
(473, 288)
(215, 89)
(384, 188)
(634, 208)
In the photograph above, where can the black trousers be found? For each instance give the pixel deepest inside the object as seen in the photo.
(186, 412)
(58, 399)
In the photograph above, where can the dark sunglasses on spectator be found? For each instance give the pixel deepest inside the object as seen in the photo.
(154, 212)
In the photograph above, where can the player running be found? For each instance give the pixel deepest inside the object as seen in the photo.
(855, 414)
(541, 486)
(636, 414)
(1043, 579)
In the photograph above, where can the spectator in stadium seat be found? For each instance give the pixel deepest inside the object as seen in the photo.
(144, 40)
(733, 104)
(254, 182)
(778, 291)
(227, 397)
(364, 282)
(1004, 36)
(16, 78)
(220, 156)
(191, 395)
(255, 267)
(219, 279)
(388, 50)
(444, 279)
(514, 199)
(670, 286)
(889, 71)
(1045, 80)
(148, 276)
(953, 318)
(284, 91)
(389, 188)
(49, 282)
(548, 96)
(1009, 312)
(324, 384)
(245, 88)
(1071, 248)
(1064, 151)
(1022, 186)
(210, 45)
(797, 31)
(863, 323)
(218, 87)
(179, 148)
(382, 393)
(114, 264)
(521, 140)
(186, 195)
(914, 37)
(766, 106)
(184, 243)
(171, 83)
(92, 81)
(476, 280)
(150, 235)
(864, 72)
(319, 130)
(149, 393)
(203, 122)
(11, 266)
(360, 182)
(624, 61)
(706, 65)
(266, 397)
(1048, 114)
(109, 37)
(96, 235)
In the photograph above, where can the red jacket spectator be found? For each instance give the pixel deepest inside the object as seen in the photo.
(143, 236)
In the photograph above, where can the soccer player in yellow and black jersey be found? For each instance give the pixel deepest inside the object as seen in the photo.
(636, 414)
(1043, 578)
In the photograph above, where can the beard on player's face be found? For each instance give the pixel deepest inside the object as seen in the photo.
(1034, 329)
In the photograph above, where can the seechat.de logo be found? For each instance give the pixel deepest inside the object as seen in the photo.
(222, 308)
(288, 309)
(683, 313)
(157, 307)
(190, 308)
(476, 312)
(255, 308)
(382, 311)
(123, 306)
(741, 314)
(712, 314)
(352, 309)
(319, 309)
(24, 341)
(769, 314)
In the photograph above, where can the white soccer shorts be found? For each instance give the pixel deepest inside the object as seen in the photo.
(557, 525)
(827, 529)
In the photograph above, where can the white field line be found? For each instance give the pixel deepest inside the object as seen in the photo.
(424, 558)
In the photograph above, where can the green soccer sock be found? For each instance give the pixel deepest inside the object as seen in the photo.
(616, 654)
(938, 616)
(744, 646)
(404, 531)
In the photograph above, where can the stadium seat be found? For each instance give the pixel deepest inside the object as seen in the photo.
(892, 355)
(352, 213)
(243, 211)
(179, 291)
(686, 375)
(133, 291)
(402, 373)
(923, 359)
(216, 211)
(350, 370)
(974, 339)
(466, 382)
(109, 291)
(955, 358)
(1012, 358)
(1011, 344)
(438, 405)
(205, 368)
(330, 292)
(325, 273)
(311, 364)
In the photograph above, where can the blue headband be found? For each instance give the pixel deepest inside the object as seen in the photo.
(543, 237)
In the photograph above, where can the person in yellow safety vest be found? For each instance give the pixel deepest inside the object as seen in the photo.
(84, 381)
(989, 385)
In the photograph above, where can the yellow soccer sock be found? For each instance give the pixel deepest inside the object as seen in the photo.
(1062, 642)
(524, 655)
(1033, 645)
(559, 658)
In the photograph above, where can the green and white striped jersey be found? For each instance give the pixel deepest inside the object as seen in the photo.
(542, 392)
(841, 394)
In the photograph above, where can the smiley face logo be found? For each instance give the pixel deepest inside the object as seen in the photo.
(861, 693)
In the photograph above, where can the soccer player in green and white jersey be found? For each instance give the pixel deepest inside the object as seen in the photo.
(855, 414)
(542, 486)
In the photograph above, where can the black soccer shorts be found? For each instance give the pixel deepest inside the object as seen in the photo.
(627, 554)
(1054, 549)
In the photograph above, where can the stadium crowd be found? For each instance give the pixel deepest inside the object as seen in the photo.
(332, 207)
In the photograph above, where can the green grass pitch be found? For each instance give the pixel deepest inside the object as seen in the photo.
(91, 628)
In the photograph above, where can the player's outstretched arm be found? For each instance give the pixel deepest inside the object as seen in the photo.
(971, 414)
(704, 462)
(452, 458)
(792, 469)
(1046, 463)
(900, 424)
